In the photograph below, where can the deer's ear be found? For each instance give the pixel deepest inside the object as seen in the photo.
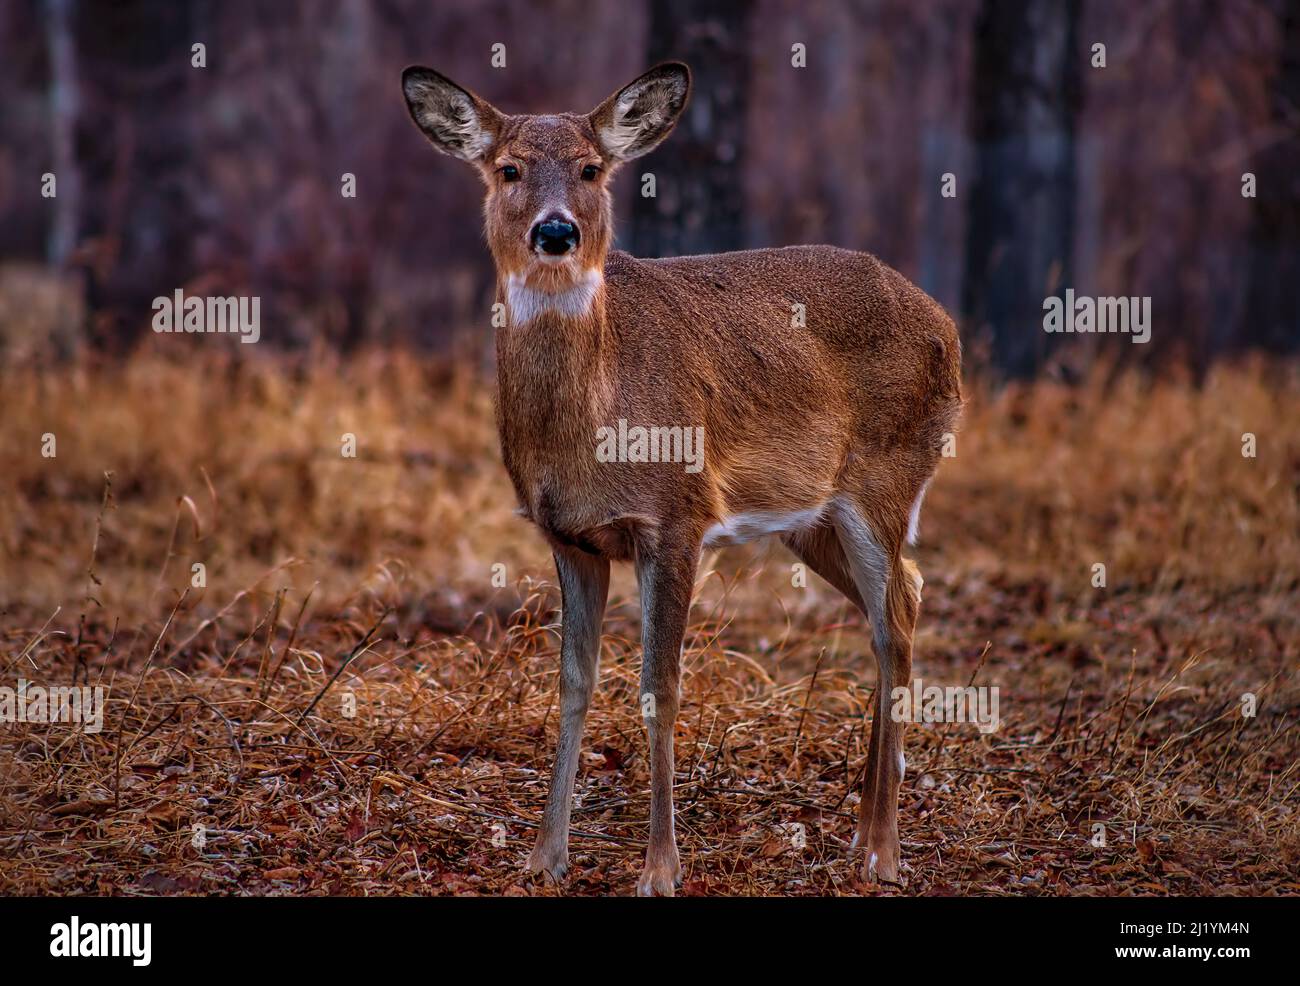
(455, 120)
(635, 119)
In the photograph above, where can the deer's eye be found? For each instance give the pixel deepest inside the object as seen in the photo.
(510, 173)
(590, 172)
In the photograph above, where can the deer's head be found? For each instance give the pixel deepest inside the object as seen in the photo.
(548, 211)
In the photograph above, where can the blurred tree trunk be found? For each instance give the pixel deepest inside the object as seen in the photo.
(1273, 304)
(1025, 106)
(63, 129)
(343, 82)
(137, 207)
(699, 206)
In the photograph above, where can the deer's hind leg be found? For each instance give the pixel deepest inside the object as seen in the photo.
(890, 588)
(819, 548)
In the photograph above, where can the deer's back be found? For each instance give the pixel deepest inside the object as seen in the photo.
(791, 331)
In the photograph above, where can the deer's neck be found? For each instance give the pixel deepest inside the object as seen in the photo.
(554, 363)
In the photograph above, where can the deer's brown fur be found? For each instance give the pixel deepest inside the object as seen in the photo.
(824, 382)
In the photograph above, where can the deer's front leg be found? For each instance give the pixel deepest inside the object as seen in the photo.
(584, 586)
(666, 577)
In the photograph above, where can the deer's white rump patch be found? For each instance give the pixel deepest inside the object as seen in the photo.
(527, 303)
(914, 518)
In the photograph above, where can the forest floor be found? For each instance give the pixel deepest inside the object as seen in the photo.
(355, 691)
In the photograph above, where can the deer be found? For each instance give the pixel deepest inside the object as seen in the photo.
(823, 380)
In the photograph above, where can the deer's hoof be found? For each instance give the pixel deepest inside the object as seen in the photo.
(882, 866)
(659, 880)
(547, 863)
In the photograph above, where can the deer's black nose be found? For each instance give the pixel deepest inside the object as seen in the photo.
(555, 236)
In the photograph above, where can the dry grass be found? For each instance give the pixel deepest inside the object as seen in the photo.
(1119, 706)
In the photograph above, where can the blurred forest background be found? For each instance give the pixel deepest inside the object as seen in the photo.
(1122, 180)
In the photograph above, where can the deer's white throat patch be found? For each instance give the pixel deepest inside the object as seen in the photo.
(527, 303)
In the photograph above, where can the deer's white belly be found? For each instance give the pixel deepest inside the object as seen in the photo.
(739, 528)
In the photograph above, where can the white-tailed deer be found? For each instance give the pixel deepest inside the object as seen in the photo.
(823, 380)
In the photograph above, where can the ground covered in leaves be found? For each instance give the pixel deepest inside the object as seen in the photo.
(358, 695)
